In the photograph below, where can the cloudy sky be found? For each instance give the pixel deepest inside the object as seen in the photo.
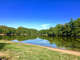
(38, 14)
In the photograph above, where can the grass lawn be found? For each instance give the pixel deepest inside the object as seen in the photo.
(20, 51)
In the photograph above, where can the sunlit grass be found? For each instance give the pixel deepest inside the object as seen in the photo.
(19, 51)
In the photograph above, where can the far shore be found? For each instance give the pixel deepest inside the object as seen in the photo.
(2, 34)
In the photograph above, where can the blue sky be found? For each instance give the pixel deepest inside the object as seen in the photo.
(39, 14)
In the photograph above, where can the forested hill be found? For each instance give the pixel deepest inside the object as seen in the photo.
(71, 28)
(5, 30)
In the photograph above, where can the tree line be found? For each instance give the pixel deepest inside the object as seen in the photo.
(5, 30)
(71, 28)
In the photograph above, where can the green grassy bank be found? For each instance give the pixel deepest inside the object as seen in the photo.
(19, 51)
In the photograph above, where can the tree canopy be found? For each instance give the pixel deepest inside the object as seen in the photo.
(71, 28)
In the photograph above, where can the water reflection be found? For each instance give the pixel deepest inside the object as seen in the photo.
(65, 43)
(40, 42)
(20, 38)
(55, 42)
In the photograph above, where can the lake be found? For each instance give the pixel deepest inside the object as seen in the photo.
(68, 43)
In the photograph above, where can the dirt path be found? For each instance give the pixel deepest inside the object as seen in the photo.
(61, 50)
(3, 54)
(65, 51)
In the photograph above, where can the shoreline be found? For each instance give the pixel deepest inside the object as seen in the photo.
(76, 53)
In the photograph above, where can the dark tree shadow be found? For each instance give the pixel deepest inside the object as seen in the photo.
(2, 45)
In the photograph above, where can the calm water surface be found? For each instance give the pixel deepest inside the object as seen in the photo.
(54, 42)
(38, 41)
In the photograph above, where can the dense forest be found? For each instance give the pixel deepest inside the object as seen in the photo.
(71, 28)
(4, 30)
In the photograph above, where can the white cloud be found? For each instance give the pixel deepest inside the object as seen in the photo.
(44, 26)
